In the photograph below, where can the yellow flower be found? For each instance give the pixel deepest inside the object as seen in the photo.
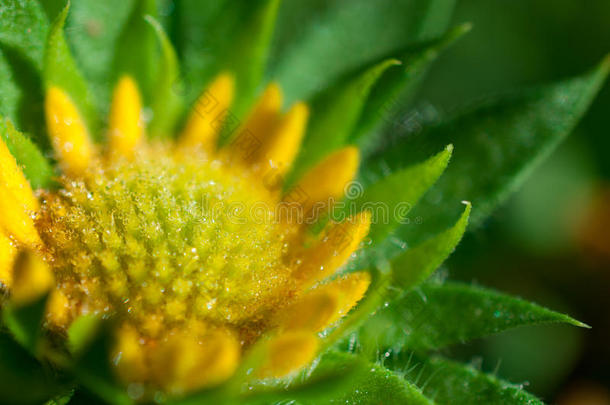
(194, 248)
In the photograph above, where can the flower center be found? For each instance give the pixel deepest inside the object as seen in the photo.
(165, 239)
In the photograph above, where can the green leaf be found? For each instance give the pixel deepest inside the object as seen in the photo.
(335, 113)
(136, 51)
(416, 264)
(35, 166)
(391, 198)
(60, 70)
(166, 104)
(449, 382)
(370, 383)
(397, 86)
(497, 144)
(25, 322)
(22, 36)
(24, 29)
(436, 316)
(23, 380)
(347, 35)
(313, 390)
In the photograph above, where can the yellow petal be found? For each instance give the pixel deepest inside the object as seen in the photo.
(319, 308)
(152, 325)
(15, 221)
(125, 127)
(130, 355)
(58, 309)
(7, 257)
(32, 278)
(333, 250)
(281, 148)
(349, 290)
(209, 114)
(325, 183)
(289, 352)
(68, 133)
(173, 360)
(184, 362)
(312, 312)
(12, 179)
(219, 359)
(17, 201)
(259, 125)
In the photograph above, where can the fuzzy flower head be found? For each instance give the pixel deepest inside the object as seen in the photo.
(188, 245)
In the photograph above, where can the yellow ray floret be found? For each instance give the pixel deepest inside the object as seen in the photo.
(333, 250)
(32, 278)
(68, 132)
(312, 312)
(184, 362)
(13, 181)
(126, 127)
(321, 307)
(261, 122)
(7, 256)
(209, 114)
(280, 149)
(17, 201)
(58, 309)
(326, 182)
(129, 355)
(16, 221)
(349, 291)
(289, 352)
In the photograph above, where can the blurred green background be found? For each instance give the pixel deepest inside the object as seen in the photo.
(551, 242)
